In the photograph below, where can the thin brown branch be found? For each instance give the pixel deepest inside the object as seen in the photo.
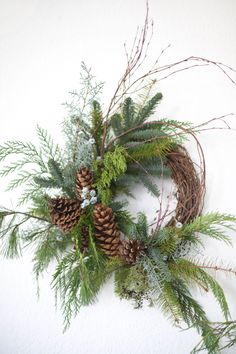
(216, 268)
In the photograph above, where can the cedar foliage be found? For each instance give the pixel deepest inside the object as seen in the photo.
(113, 166)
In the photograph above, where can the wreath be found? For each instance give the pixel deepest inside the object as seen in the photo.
(77, 218)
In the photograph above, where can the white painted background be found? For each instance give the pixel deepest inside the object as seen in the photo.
(41, 46)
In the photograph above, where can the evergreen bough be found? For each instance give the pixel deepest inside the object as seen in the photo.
(122, 149)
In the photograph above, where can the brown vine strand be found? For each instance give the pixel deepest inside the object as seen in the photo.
(128, 84)
(189, 187)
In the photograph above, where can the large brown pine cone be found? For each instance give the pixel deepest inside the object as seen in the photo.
(84, 178)
(65, 212)
(132, 250)
(106, 231)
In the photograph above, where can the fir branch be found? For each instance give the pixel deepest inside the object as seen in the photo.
(170, 128)
(128, 113)
(146, 151)
(147, 110)
(151, 187)
(116, 123)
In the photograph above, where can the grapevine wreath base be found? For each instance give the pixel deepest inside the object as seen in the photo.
(78, 217)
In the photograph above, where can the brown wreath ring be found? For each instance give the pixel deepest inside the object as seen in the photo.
(190, 187)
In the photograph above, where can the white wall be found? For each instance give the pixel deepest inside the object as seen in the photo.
(41, 46)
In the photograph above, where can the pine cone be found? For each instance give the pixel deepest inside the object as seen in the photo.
(65, 212)
(106, 231)
(84, 178)
(85, 239)
(132, 250)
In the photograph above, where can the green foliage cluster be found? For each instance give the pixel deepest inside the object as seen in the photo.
(124, 149)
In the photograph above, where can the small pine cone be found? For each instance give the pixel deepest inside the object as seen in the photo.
(84, 240)
(65, 212)
(132, 250)
(106, 231)
(84, 178)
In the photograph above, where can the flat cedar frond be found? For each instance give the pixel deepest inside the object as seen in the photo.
(212, 224)
(191, 273)
(48, 147)
(22, 178)
(19, 148)
(114, 165)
